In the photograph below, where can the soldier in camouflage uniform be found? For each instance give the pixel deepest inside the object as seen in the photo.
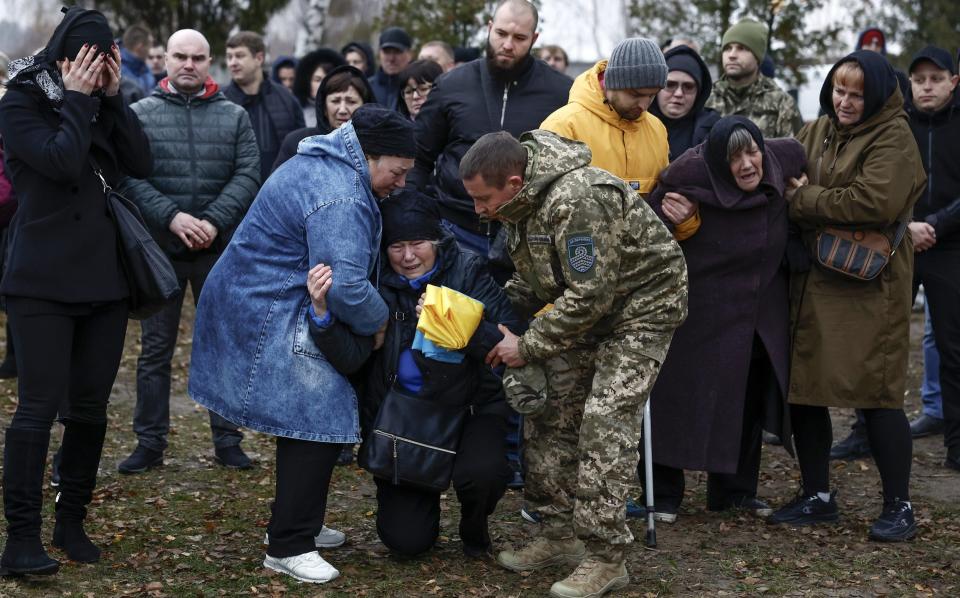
(743, 90)
(583, 240)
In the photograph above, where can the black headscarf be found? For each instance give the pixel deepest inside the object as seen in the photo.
(680, 130)
(716, 145)
(879, 82)
(365, 49)
(40, 72)
(326, 57)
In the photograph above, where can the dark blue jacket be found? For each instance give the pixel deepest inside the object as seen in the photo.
(938, 137)
(386, 88)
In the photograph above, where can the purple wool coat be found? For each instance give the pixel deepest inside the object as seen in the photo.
(738, 289)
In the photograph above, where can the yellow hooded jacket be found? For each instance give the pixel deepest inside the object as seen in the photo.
(634, 150)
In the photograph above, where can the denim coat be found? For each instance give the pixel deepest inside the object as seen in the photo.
(254, 361)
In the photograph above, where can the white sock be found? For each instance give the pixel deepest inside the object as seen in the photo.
(824, 496)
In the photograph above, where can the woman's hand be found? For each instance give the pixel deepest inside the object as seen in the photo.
(319, 280)
(423, 297)
(83, 73)
(110, 76)
(677, 208)
(793, 185)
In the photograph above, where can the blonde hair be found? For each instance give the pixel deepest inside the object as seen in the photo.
(849, 75)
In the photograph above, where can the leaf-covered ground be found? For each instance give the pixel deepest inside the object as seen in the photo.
(192, 528)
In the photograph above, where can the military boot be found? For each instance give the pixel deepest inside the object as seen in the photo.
(543, 552)
(592, 578)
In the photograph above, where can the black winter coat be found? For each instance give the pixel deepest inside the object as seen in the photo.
(467, 103)
(283, 115)
(938, 137)
(206, 163)
(471, 382)
(63, 243)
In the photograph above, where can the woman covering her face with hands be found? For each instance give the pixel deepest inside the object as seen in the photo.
(65, 290)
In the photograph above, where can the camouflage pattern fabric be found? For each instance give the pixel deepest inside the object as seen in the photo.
(582, 239)
(763, 102)
(526, 388)
(581, 452)
(585, 241)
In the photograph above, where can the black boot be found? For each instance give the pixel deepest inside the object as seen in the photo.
(8, 369)
(81, 448)
(24, 459)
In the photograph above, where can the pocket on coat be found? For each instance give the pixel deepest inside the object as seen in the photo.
(302, 340)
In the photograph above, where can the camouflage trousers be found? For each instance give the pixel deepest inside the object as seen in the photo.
(581, 450)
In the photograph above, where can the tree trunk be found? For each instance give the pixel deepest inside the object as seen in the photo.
(311, 36)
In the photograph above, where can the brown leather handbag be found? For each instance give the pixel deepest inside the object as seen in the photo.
(857, 254)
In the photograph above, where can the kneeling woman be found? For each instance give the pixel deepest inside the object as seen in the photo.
(419, 253)
(726, 372)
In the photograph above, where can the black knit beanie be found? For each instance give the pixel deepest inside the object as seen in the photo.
(409, 216)
(384, 132)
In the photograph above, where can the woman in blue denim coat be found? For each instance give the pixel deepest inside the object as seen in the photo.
(254, 361)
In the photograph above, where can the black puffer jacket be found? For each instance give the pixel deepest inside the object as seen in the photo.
(205, 162)
(469, 383)
(467, 103)
(938, 136)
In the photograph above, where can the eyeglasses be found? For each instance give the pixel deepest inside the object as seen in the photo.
(421, 90)
(686, 86)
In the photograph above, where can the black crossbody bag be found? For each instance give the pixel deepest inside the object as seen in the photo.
(150, 275)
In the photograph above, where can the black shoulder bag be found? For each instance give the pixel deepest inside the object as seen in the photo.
(150, 275)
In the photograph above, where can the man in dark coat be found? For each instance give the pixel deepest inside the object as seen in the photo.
(273, 110)
(509, 90)
(681, 105)
(395, 55)
(935, 120)
(206, 172)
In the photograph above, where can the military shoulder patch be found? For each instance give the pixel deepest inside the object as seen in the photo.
(581, 253)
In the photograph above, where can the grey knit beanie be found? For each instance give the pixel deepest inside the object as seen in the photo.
(636, 62)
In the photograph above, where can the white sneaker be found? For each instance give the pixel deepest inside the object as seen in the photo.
(327, 538)
(664, 517)
(309, 567)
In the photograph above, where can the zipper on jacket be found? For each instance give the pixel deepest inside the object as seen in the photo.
(503, 110)
(396, 464)
(407, 440)
(193, 156)
(930, 166)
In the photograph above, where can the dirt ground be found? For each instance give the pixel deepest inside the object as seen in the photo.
(192, 528)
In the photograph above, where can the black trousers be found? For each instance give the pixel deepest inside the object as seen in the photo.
(939, 271)
(300, 505)
(890, 442)
(725, 490)
(408, 519)
(67, 355)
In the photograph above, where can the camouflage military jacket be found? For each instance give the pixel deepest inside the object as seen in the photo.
(763, 102)
(583, 240)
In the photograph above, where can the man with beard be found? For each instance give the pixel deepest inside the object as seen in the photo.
(744, 91)
(508, 90)
(608, 111)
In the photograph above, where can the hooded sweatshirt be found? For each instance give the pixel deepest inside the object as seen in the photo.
(634, 150)
(693, 128)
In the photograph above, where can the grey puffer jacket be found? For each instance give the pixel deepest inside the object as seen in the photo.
(206, 163)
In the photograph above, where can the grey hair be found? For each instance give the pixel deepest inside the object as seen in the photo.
(740, 140)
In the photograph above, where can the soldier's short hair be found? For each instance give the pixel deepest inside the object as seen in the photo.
(250, 40)
(136, 35)
(495, 157)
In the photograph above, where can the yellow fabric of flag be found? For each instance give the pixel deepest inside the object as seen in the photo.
(449, 318)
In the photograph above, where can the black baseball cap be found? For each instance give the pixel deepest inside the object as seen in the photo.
(395, 37)
(937, 56)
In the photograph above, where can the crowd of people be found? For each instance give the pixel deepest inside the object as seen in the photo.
(642, 232)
